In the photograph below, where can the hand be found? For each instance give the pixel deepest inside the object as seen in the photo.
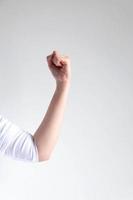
(59, 65)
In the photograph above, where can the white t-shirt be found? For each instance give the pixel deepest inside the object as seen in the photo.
(16, 142)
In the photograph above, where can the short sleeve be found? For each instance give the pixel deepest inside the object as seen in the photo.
(16, 142)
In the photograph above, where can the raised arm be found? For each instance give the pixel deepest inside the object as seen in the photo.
(47, 133)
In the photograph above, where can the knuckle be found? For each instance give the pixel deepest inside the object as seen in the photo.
(48, 56)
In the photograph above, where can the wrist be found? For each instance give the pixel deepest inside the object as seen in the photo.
(62, 85)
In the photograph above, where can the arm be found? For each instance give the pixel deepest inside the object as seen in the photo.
(47, 133)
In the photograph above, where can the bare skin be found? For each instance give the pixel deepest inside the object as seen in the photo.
(47, 134)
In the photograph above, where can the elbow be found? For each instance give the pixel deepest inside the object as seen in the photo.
(43, 157)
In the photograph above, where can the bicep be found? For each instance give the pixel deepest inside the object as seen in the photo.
(16, 142)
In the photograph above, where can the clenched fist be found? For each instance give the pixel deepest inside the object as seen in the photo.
(60, 67)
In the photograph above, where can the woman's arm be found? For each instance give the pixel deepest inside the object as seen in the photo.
(47, 133)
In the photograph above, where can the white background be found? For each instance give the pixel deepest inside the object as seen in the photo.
(93, 159)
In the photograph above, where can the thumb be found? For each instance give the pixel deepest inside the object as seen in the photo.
(56, 58)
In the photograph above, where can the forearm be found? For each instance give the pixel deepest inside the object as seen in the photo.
(47, 133)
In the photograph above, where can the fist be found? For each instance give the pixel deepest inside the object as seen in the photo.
(59, 66)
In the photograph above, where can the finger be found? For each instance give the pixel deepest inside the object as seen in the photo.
(49, 60)
(63, 62)
(52, 62)
(49, 57)
(56, 59)
(57, 55)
